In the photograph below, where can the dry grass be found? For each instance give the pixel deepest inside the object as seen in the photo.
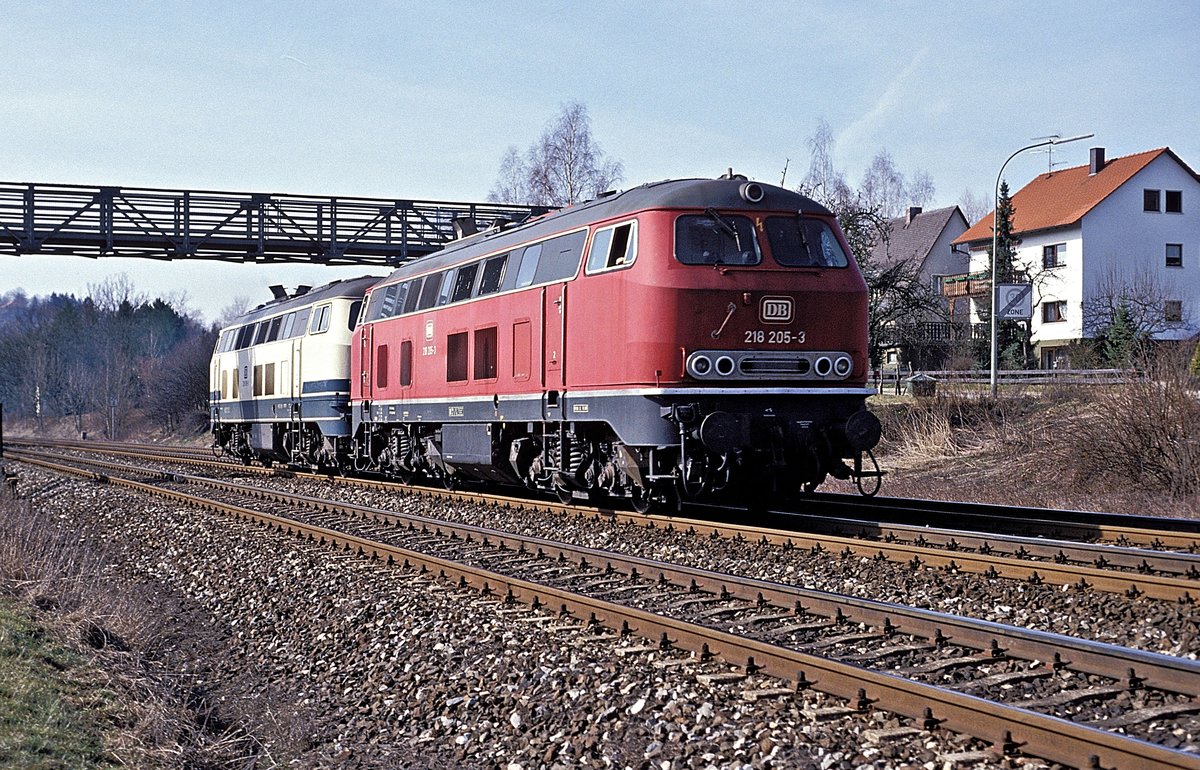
(1126, 448)
(68, 581)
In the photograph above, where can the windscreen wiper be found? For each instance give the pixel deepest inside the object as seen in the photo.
(725, 225)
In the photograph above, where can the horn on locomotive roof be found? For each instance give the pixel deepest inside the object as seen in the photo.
(730, 175)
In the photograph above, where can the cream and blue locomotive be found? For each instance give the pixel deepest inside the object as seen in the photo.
(278, 382)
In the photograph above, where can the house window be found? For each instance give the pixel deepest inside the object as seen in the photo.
(1053, 312)
(1174, 255)
(1052, 256)
(1173, 311)
(1055, 358)
(456, 357)
(1174, 201)
(1150, 200)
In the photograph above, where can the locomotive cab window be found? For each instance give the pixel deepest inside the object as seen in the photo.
(713, 238)
(352, 318)
(800, 242)
(613, 247)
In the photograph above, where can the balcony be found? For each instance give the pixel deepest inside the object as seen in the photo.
(966, 285)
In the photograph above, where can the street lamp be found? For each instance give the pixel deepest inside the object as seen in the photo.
(995, 238)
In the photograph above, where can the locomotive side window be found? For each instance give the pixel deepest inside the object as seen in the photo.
(800, 242)
(613, 247)
(401, 297)
(713, 238)
(465, 282)
(260, 332)
(352, 318)
(447, 287)
(320, 320)
(560, 257)
(493, 274)
(387, 306)
(301, 324)
(245, 334)
(273, 332)
(529, 263)
(429, 292)
(485, 353)
(289, 321)
(456, 357)
(414, 295)
(381, 366)
(406, 355)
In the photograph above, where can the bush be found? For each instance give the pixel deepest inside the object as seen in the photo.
(1145, 433)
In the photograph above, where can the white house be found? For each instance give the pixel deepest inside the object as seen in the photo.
(1127, 226)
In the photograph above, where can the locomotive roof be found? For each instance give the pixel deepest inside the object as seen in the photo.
(349, 287)
(723, 194)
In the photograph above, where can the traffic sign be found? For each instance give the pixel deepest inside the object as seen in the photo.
(1015, 301)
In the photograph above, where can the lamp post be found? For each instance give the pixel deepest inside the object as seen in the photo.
(995, 241)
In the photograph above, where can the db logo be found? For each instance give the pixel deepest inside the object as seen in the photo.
(775, 310)
(428, 330)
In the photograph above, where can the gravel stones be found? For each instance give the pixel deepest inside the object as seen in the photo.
(328, 658)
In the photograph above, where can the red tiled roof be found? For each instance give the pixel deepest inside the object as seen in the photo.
(1063, 197)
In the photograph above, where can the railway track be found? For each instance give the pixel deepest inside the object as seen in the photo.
(872, 654)
(1171, 575)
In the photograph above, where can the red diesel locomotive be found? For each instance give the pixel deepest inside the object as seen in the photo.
(679, 340)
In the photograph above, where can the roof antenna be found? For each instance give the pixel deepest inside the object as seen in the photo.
(1049, 150)
(782, 179)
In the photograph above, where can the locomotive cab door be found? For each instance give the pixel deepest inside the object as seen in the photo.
(554, 324)
(366, 358)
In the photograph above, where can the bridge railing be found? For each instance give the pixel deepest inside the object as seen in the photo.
(242, 227)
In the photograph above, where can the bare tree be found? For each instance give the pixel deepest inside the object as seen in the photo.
(1140, 295)
(886, 189)
(974, 207)
(236, 307)
(823, 182)
(565, 166)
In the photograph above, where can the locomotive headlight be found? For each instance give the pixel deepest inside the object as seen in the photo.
(700, 365)
(724, 366)
(842, 366)
(752, 192)
(823, 366)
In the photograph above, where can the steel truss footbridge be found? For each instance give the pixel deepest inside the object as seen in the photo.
(237, 227)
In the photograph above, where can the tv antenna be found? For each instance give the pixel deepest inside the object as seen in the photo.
(1049, 150)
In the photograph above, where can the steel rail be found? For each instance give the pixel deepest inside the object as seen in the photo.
(1133, 584)
(1151, 531)
(1007, 728)
(1165, 672)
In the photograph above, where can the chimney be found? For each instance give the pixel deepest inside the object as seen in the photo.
(1097, 164)
(912, 214)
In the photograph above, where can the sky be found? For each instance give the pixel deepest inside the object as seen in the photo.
(420, 100)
